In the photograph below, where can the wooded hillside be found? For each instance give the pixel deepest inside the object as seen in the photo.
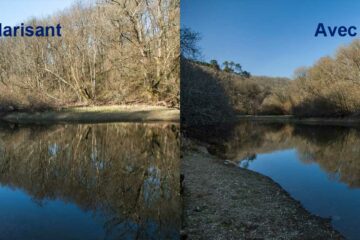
(211, 96)
(114, 51)
(329, 88)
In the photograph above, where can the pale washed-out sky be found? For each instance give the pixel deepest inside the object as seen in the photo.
(13, 12)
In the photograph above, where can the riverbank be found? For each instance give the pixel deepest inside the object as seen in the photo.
(96, 114)
(348, 121)
(225, 202)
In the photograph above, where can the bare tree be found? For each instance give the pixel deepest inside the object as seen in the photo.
(114, 51)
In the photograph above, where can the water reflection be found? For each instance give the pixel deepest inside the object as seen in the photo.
(317, 165)
(333, 148)
(105, 181)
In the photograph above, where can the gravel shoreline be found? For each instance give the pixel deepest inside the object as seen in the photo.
(221, 201)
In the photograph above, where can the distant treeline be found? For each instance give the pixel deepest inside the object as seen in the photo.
(111, 52)
(228, 66)
(330, 88)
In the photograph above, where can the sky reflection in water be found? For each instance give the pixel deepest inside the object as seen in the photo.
(317, 165)
(103, 181)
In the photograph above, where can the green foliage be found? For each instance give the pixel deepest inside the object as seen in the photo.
(236, 68)
(246, 74)
(215, 65)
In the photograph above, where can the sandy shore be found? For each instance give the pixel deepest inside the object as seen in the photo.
(225, 202)
(97, 114)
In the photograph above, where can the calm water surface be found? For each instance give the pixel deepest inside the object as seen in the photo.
(103, 181)
(317, 165)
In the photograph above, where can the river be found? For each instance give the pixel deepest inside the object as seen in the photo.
(90, 181)
(317, 165)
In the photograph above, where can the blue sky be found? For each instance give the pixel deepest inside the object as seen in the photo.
(268, 37)
(13, 12)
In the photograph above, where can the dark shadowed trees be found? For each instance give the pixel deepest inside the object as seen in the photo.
(215, 65)
(189, 40)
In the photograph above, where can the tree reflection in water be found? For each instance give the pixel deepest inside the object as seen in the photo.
(335, 149)
(127, 173)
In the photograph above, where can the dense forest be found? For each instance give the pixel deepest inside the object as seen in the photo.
(330, 88)
(110, 52)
